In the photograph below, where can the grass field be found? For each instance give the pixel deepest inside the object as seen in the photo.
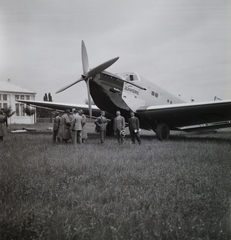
(176, 189)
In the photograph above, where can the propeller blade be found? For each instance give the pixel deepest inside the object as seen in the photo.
(89, 98)
(85, 61)
(66, 87)
(101, 67)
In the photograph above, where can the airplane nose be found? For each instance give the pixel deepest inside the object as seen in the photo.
(89, 74)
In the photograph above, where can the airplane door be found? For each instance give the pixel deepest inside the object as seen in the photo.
(131, 96)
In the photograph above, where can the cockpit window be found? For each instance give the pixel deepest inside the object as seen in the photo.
(132, 77)
(129, 76)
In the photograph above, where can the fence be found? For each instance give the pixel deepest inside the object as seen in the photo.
(44, 120)
(50, 120)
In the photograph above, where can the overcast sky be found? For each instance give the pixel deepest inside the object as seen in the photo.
(182, 45)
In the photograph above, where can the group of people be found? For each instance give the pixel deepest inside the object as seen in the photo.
(70, 127)
(119, 127)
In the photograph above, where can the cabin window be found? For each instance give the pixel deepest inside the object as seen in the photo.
(4, 97)
(154, 94)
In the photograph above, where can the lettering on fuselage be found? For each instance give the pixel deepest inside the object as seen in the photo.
(129, 89)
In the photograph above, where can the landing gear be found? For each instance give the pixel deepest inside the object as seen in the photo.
(162, 131)
(109, 130)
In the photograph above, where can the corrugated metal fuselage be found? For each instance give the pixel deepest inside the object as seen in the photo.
(106, 92)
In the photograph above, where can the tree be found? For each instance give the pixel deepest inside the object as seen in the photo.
(49, 97)
(45, 97)
(8, 111)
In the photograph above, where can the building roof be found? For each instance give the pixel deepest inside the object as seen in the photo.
(9, 87)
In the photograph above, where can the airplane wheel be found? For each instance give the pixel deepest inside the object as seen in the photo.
(109, 130)
(162, 132)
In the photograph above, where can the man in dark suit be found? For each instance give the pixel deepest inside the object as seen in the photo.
(101, 124)
(56, 127)
(65, 123)
(119, 125)
(134, 128)
(3, 125)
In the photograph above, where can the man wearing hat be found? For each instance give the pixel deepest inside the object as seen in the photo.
(65, 122)
(84, 127)
(101, 124)
(56, 124)
(134, 128)
(72, 118)
(118, 126)
(3, 125)
(76, 127)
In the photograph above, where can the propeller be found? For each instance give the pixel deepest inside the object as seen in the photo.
(70, 85)
(88, 74)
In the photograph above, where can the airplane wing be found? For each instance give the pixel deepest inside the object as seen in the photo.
(62, 106)
(188, 116)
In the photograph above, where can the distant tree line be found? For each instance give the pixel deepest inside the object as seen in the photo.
(47, 98)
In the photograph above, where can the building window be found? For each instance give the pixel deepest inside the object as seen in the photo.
(27, 97)
(16, 97)
(4, 97)
(22, 110)
(17, 109)
(0, 105)
(22, 97)
(4, 105)
(0, 96)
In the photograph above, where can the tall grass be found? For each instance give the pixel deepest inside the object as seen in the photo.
(178, 189)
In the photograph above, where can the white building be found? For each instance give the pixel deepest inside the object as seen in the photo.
(9, 93)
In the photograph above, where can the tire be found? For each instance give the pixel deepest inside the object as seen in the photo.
(162, 132)
(109, 130)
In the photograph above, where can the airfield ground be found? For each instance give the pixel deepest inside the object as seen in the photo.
(176, 189)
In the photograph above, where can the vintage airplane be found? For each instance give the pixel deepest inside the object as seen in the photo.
(157, 109)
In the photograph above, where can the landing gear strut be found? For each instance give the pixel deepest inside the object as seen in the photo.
(109, 130)
(162, 131)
